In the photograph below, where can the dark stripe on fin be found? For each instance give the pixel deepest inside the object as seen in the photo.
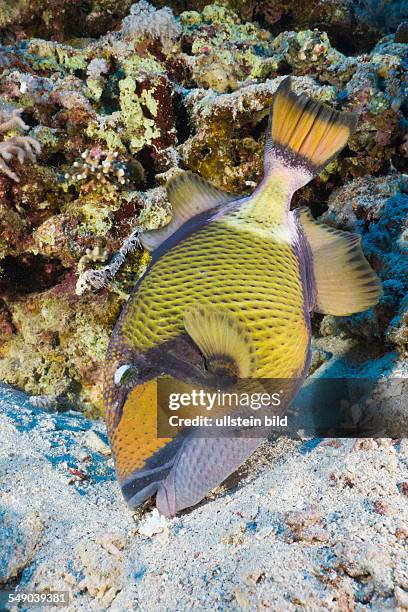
(304, 133)
(144, 483)
(345, 282)
(222, 339)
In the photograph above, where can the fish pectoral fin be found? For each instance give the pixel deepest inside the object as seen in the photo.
(345, 282)
(189, 195)
(223, 340)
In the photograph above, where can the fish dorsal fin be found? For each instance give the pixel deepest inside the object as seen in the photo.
(345, 282)
(223, 340)
(189, 195)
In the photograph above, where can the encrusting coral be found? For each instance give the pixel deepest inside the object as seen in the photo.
(154, 91)
(377, 207)
(145, 19)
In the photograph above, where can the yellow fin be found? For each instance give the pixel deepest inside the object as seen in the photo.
(222, 339)
(305, 132)
(189, 195)
(345, 282)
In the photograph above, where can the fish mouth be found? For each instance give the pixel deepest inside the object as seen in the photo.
(166, 497)
(180, 483)
(137, 488)
(159, 481)
(141, 496)
(155, 479)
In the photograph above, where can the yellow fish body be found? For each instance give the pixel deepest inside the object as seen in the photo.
(229, 290)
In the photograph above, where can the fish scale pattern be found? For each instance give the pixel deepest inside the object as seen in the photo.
(256, 278)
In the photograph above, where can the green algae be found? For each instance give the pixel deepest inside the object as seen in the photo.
(135, 65)
(140, 130)
(106, 132)
(129, 126)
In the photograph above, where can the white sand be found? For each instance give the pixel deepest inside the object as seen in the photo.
(306, 528)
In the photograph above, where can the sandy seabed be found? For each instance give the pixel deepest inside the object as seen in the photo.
(305, 525)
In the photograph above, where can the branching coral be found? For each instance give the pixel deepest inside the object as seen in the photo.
(98, 170)
(99, 278)
(22, 147)
(10, 118)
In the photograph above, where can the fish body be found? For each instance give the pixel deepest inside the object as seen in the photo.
(238, 262)
(229, 291)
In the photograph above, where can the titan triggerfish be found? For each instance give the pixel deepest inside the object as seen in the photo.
(230, 288)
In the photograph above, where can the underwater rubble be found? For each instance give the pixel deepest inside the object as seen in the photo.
(98, 110)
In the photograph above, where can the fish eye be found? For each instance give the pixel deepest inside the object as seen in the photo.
(125, 375)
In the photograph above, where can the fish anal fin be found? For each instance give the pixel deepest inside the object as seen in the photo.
(189, 195)
(345, 282)
(222, 339)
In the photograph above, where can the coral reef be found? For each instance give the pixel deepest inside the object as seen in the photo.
(118, 96)
(21, 147)
(336, 17)
(381, 14)
(377, 207)
(61, 19)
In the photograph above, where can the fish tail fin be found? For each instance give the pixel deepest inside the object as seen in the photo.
(304, 135)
